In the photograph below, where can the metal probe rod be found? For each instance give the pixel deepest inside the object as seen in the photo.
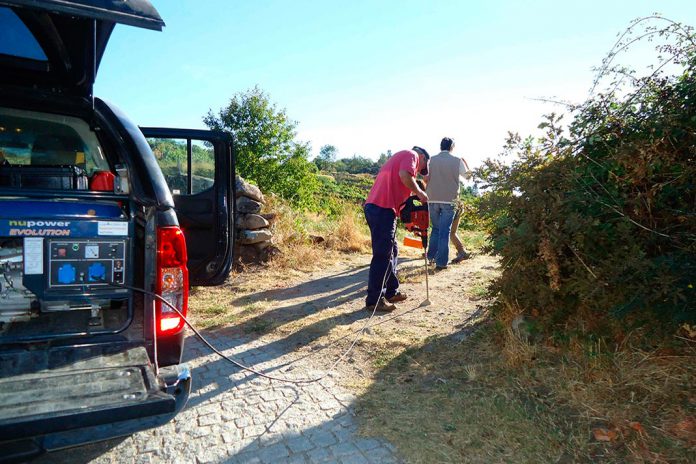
(426, 302)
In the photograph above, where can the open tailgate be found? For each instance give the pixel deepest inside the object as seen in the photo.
(65, 388)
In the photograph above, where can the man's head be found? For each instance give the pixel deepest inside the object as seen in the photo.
(446, 144)
(423, 158)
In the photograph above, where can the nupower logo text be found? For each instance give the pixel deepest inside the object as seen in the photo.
(39, 223)
(39, 228)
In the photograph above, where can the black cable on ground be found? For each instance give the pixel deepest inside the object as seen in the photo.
(333, 342)
(251, 369)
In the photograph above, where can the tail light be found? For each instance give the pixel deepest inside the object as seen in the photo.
(172, 279)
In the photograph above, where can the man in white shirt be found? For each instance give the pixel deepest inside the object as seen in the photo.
(445, 170)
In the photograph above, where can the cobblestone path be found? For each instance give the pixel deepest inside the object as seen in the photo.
(235, 417)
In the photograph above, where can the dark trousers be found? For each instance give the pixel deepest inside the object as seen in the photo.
(382, 222)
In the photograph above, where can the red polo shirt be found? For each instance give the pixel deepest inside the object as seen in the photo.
(388, 191)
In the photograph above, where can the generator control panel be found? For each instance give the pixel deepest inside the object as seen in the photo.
(76, 263)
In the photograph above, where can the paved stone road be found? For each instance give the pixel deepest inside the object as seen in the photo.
(235, 417)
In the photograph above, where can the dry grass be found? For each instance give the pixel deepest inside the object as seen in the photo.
(498, 398)
(350, 233)
(221, 306)
(517, 351)
(516, 348)
(643, 397)
(446, 402)
(307, 239)
(637, 394)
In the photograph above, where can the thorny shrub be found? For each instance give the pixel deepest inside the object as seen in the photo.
(596, 222)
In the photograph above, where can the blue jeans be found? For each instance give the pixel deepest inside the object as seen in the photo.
(441, 217)
(382, 222)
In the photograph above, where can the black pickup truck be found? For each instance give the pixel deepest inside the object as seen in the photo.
(93, 222)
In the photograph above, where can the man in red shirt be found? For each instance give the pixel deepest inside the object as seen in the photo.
(395, 182)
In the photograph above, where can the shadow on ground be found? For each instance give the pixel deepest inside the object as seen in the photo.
(341, 432)
(468, 406)
(337, 289)
(342, 290)
(80, 454)
(332, 283)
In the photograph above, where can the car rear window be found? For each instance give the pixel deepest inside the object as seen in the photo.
(16, 40)
(42, 139)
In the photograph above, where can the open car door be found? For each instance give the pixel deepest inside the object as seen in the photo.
(199, 168)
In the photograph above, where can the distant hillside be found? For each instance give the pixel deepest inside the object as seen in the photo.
(345, 186)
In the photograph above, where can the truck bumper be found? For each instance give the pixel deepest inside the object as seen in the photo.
(45, 412)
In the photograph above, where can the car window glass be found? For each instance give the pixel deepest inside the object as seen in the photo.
(16, 39)
(202, 166)
(42, 139)
(173, 158)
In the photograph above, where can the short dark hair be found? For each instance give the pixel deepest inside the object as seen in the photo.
(446, 144)
(421, 151)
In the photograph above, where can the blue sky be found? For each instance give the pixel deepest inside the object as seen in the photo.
(368, 76)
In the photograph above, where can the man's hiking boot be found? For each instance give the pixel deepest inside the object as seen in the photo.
(461, 257)
(397, 298)
(382, 305)
(439, 269)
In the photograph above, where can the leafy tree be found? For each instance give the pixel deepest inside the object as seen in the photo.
(383, 158)
(357, 165)
(268, 152)
(326, 158)
(167, 150)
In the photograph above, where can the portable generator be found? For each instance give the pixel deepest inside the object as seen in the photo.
(56, 261)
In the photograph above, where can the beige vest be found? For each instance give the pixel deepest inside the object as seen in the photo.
(444, 169)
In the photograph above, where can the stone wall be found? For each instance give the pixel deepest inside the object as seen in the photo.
(254, 239)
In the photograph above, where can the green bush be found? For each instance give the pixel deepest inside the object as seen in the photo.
(597, 222)
(469, 201)
(266, 146)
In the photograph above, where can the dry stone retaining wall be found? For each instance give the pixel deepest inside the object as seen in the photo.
(254, 239)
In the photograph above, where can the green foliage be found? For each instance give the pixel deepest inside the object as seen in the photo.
(175, 150)
(326, 161)
(266, 146)
(356, 165)
(469, 201)
(326, 158)
(337, 189)
(171, 157)
(600, 224)
(168, 150)
(383, 158)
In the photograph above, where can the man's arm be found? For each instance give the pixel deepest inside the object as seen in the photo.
(410, 182)
(464, 169)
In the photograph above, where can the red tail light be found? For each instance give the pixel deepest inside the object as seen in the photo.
(172, 279)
